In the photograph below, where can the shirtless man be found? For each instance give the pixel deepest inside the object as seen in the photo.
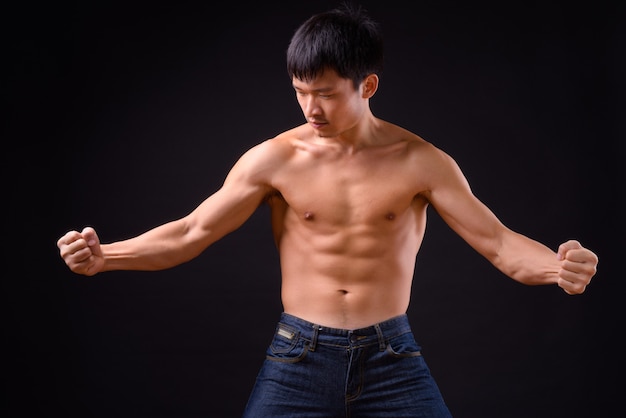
(348, 194)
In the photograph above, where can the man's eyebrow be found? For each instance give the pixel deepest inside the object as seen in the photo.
(321, 89)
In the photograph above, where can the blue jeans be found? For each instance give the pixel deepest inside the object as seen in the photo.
(315, 371)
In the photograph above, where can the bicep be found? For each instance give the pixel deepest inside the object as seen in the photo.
(229, 207)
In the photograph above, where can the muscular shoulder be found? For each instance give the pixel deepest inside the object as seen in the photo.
(421, 153)
(434, 167)
(259, 164)
(271, 153)
(438, 170)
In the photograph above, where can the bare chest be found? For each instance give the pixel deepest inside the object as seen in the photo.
(349, 191)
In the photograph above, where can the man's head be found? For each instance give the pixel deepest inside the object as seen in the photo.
(345, 40)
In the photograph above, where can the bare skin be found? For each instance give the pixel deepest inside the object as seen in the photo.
(348, 194)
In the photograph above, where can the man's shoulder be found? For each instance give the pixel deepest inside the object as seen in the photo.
(273, 150)
(286, 138)
(418, 149)
(396, 132)
(283, 145)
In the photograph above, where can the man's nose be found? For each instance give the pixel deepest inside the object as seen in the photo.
(311, 107)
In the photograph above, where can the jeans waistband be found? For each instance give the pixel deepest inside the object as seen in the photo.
(379, 333)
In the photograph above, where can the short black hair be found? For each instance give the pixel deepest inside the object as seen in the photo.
(344, 39)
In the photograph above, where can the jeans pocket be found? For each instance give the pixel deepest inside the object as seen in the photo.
(287, 346)
(403, 346)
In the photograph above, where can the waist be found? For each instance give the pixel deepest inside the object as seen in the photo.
(345, 302)
(379, 332)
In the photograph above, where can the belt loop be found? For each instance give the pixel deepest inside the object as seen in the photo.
(381, 338)
(316, 330)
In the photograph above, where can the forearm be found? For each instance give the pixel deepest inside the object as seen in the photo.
(160, 248)
(527, 261)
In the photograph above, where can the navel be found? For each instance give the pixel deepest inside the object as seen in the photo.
(308, 216)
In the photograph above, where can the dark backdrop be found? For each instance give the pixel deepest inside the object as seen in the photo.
(124, 115)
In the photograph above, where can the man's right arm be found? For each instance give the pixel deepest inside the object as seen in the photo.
(178, 241)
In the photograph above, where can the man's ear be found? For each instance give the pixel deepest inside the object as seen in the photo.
(370, 85)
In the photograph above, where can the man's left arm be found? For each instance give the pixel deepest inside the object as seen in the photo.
(518, 256)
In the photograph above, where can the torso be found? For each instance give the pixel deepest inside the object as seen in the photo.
(348, 227)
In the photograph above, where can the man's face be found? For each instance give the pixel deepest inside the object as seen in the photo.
(330, 104)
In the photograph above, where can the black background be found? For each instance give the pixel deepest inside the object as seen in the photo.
(124, 115)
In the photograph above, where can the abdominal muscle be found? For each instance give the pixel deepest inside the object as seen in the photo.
(350, 278)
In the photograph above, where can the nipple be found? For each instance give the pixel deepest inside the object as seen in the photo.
(308, 216)
(390, 216)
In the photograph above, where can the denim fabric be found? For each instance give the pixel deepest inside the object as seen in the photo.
(315, 371)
